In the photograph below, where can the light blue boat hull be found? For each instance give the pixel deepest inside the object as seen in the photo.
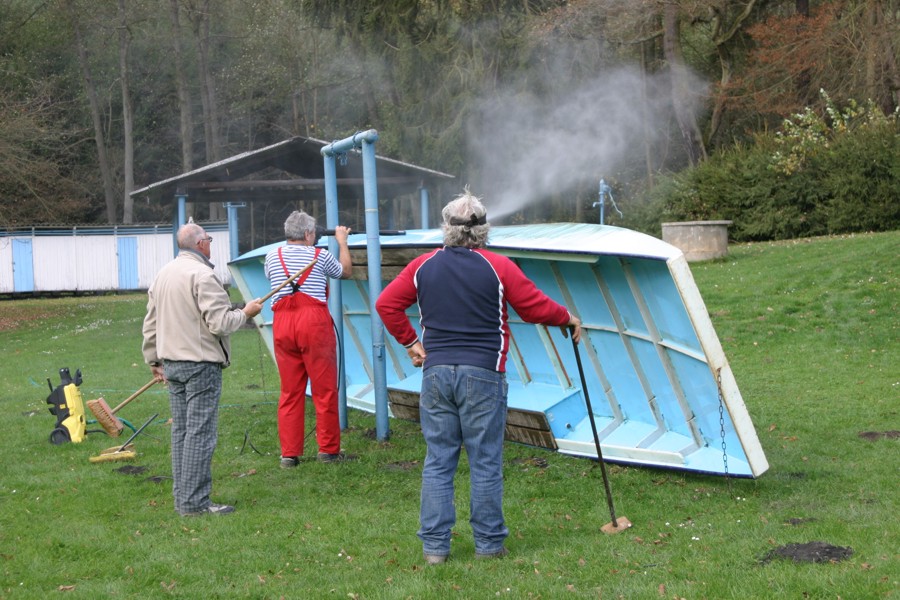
(659, 384)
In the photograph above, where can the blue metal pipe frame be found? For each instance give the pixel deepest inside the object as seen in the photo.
(366, 141)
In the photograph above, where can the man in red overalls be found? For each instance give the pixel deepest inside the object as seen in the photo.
(304, 337)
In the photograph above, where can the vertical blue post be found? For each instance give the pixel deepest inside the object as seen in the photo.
(366, 141)
(602, 195)
(181, 218)
(233, 247)
(373, 253)
(604, 190)
(335, 298)
(423, 203)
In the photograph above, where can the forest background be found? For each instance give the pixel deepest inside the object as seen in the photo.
(781, 115)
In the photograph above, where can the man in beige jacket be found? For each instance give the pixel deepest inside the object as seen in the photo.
(186, 343)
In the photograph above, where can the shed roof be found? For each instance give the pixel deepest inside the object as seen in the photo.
(291, 170)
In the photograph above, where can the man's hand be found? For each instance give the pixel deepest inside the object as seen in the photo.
(341, 233)
(574, 325)
(158, 372)
(253, 308)
(417, 353)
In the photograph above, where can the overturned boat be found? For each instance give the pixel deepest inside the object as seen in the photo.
(661, 390)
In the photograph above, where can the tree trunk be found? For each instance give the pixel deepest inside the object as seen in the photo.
(722, 34)
(127, 118)
(645, 127)
(207, 95)
(680, 86)
(184, 97)
(186, 128)
(803, 79)
(91, 91)
(888, 36)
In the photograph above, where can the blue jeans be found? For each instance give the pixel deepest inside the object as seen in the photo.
(462, 405)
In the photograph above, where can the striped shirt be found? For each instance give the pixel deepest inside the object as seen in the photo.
(296, 257)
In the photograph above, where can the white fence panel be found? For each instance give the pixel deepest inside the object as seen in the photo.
(154, 251)
(54, 263)
(97, 262)
(6, 266)
(81, 260)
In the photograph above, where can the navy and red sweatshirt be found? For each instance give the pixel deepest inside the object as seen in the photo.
(462, 295)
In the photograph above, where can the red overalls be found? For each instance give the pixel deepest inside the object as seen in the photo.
(305, 349)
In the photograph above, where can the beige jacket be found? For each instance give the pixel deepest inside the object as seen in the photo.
(189, 314)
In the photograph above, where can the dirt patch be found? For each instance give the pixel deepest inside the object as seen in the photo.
(816, 552)
(17, 317)
(131, 470)
(877, 435)
(796, 522)
(403, 465)
(534, 461)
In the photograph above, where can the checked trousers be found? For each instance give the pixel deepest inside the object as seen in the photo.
(194, 391)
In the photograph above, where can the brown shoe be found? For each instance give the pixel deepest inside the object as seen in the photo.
(435, 559)
(498, 554)
(339, 457)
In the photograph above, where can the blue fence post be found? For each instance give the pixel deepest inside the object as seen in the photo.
(233, 247)
(366, 140)
(180, 220)
(423, 203)
(335, 297)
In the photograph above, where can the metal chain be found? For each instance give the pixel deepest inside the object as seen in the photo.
(722, 420)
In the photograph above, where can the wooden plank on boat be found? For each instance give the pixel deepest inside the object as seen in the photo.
(530, 437)
(529, 427)
(404, 404)
(522, 426)
(392, 262)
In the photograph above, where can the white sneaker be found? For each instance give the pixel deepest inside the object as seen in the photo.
(212, 509)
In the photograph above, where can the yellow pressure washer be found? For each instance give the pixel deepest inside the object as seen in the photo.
(68, 407)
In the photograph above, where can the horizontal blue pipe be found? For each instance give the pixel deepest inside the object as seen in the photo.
(354, 141)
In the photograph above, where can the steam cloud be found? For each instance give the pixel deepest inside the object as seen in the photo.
(528, 150)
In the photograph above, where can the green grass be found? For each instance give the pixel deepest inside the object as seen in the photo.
(811, 331)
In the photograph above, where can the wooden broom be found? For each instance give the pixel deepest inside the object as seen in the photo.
(123, 452)
(106, 416)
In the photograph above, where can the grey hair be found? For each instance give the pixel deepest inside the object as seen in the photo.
(298, 224)
(188, 235)
(465, 207)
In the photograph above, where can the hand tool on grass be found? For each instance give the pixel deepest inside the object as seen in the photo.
(123, 452)
(617, 524)
(289, 281)
(106, 416)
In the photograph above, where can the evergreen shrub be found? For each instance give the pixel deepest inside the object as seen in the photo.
(817, 175)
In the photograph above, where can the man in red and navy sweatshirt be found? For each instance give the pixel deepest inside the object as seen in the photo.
(463, 292)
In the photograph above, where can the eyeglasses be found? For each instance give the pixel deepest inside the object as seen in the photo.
(206, 239)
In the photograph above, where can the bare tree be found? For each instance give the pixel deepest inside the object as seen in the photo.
(91, 91)
(726, 20)
(680, 84)
(184, 97)
(127, 116)
(200, 18)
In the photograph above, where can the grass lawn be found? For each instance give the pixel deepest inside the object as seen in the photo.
(812, 333)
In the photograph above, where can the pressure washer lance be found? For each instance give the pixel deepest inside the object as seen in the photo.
(622, 523)
(322, 232)
(123, 452)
